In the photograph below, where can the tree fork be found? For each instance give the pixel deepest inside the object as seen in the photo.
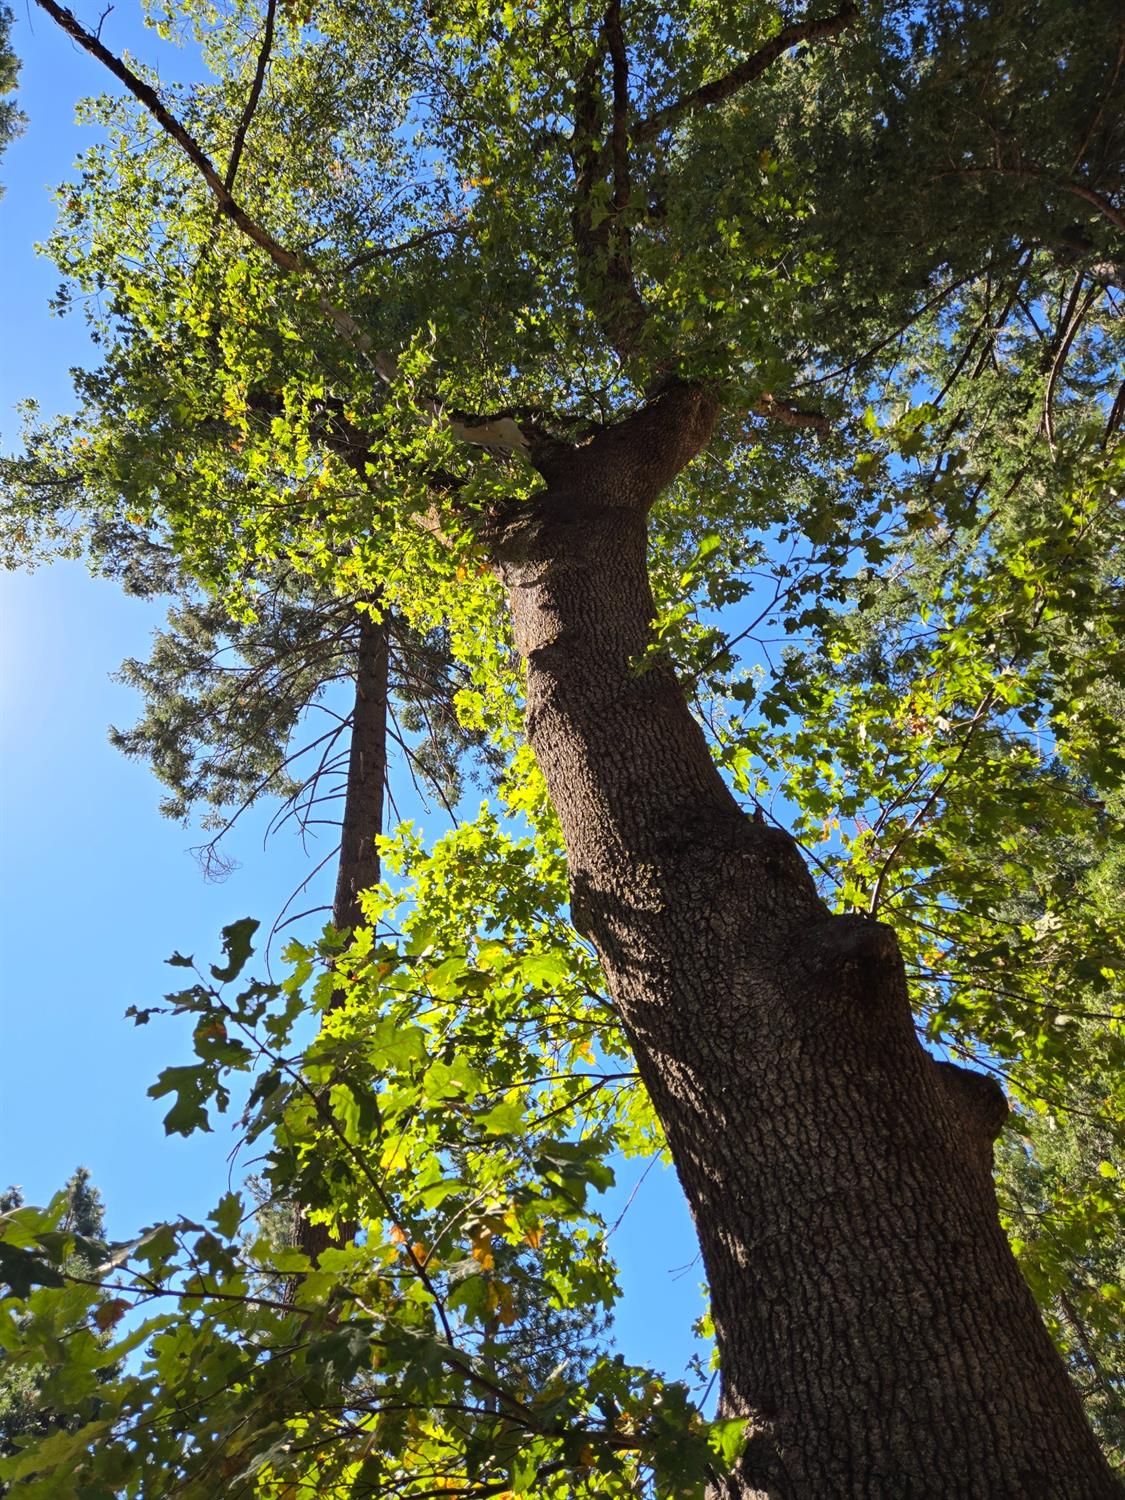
(873, 1325)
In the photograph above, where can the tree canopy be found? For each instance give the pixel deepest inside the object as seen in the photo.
(389, 280)
(11, 121)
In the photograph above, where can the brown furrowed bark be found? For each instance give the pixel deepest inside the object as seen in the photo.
(367, 773)
(361, 824)
(873, 1324)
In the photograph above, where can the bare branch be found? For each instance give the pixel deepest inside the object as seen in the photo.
(386, 252)
(1066, 336)
(747, 71)
(501, 433)
(789, 414)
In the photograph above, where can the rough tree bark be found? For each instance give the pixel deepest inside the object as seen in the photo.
(360, 825)
(872, 1322)
(362, 821)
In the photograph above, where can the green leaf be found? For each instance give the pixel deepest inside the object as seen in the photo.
(505, 1118)
(21, 1270)
(728, 1439)
(228, 1215)
(238, 948)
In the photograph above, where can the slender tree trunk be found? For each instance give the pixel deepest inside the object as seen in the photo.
(872, 1322)
(367, 773)
(361, 825)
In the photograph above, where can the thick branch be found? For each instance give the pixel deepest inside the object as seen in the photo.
(789, 414)
(746, 72)
(631, 462)
(601, 235)
(1103, 205)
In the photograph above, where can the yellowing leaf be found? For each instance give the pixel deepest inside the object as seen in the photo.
(507, 1312)
(106, 1314)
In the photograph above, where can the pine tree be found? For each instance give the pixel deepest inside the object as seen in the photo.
(24, 1415)
(11, 120)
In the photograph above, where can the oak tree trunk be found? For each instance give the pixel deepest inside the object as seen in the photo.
(873, 1325)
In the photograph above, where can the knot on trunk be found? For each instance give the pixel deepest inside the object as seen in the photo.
(979, 1108)
(857, 986)
(852, 954)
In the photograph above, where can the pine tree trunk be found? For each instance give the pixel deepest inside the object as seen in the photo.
(361, 824)
(872, 1322)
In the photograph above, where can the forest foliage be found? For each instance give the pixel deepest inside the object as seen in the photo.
(11, 120)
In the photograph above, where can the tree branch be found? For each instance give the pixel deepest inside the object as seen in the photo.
(601, 234)
(168, 122)
(619, 139)
(631, 461)
(383, 252)
(1066, 335)
(789, 414)
(1033, 174)
(747, 71)
(253, 97)
(503, 434)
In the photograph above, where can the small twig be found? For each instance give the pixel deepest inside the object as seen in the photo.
(939, 787)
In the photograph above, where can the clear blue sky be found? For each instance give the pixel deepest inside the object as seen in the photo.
(95, 887)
